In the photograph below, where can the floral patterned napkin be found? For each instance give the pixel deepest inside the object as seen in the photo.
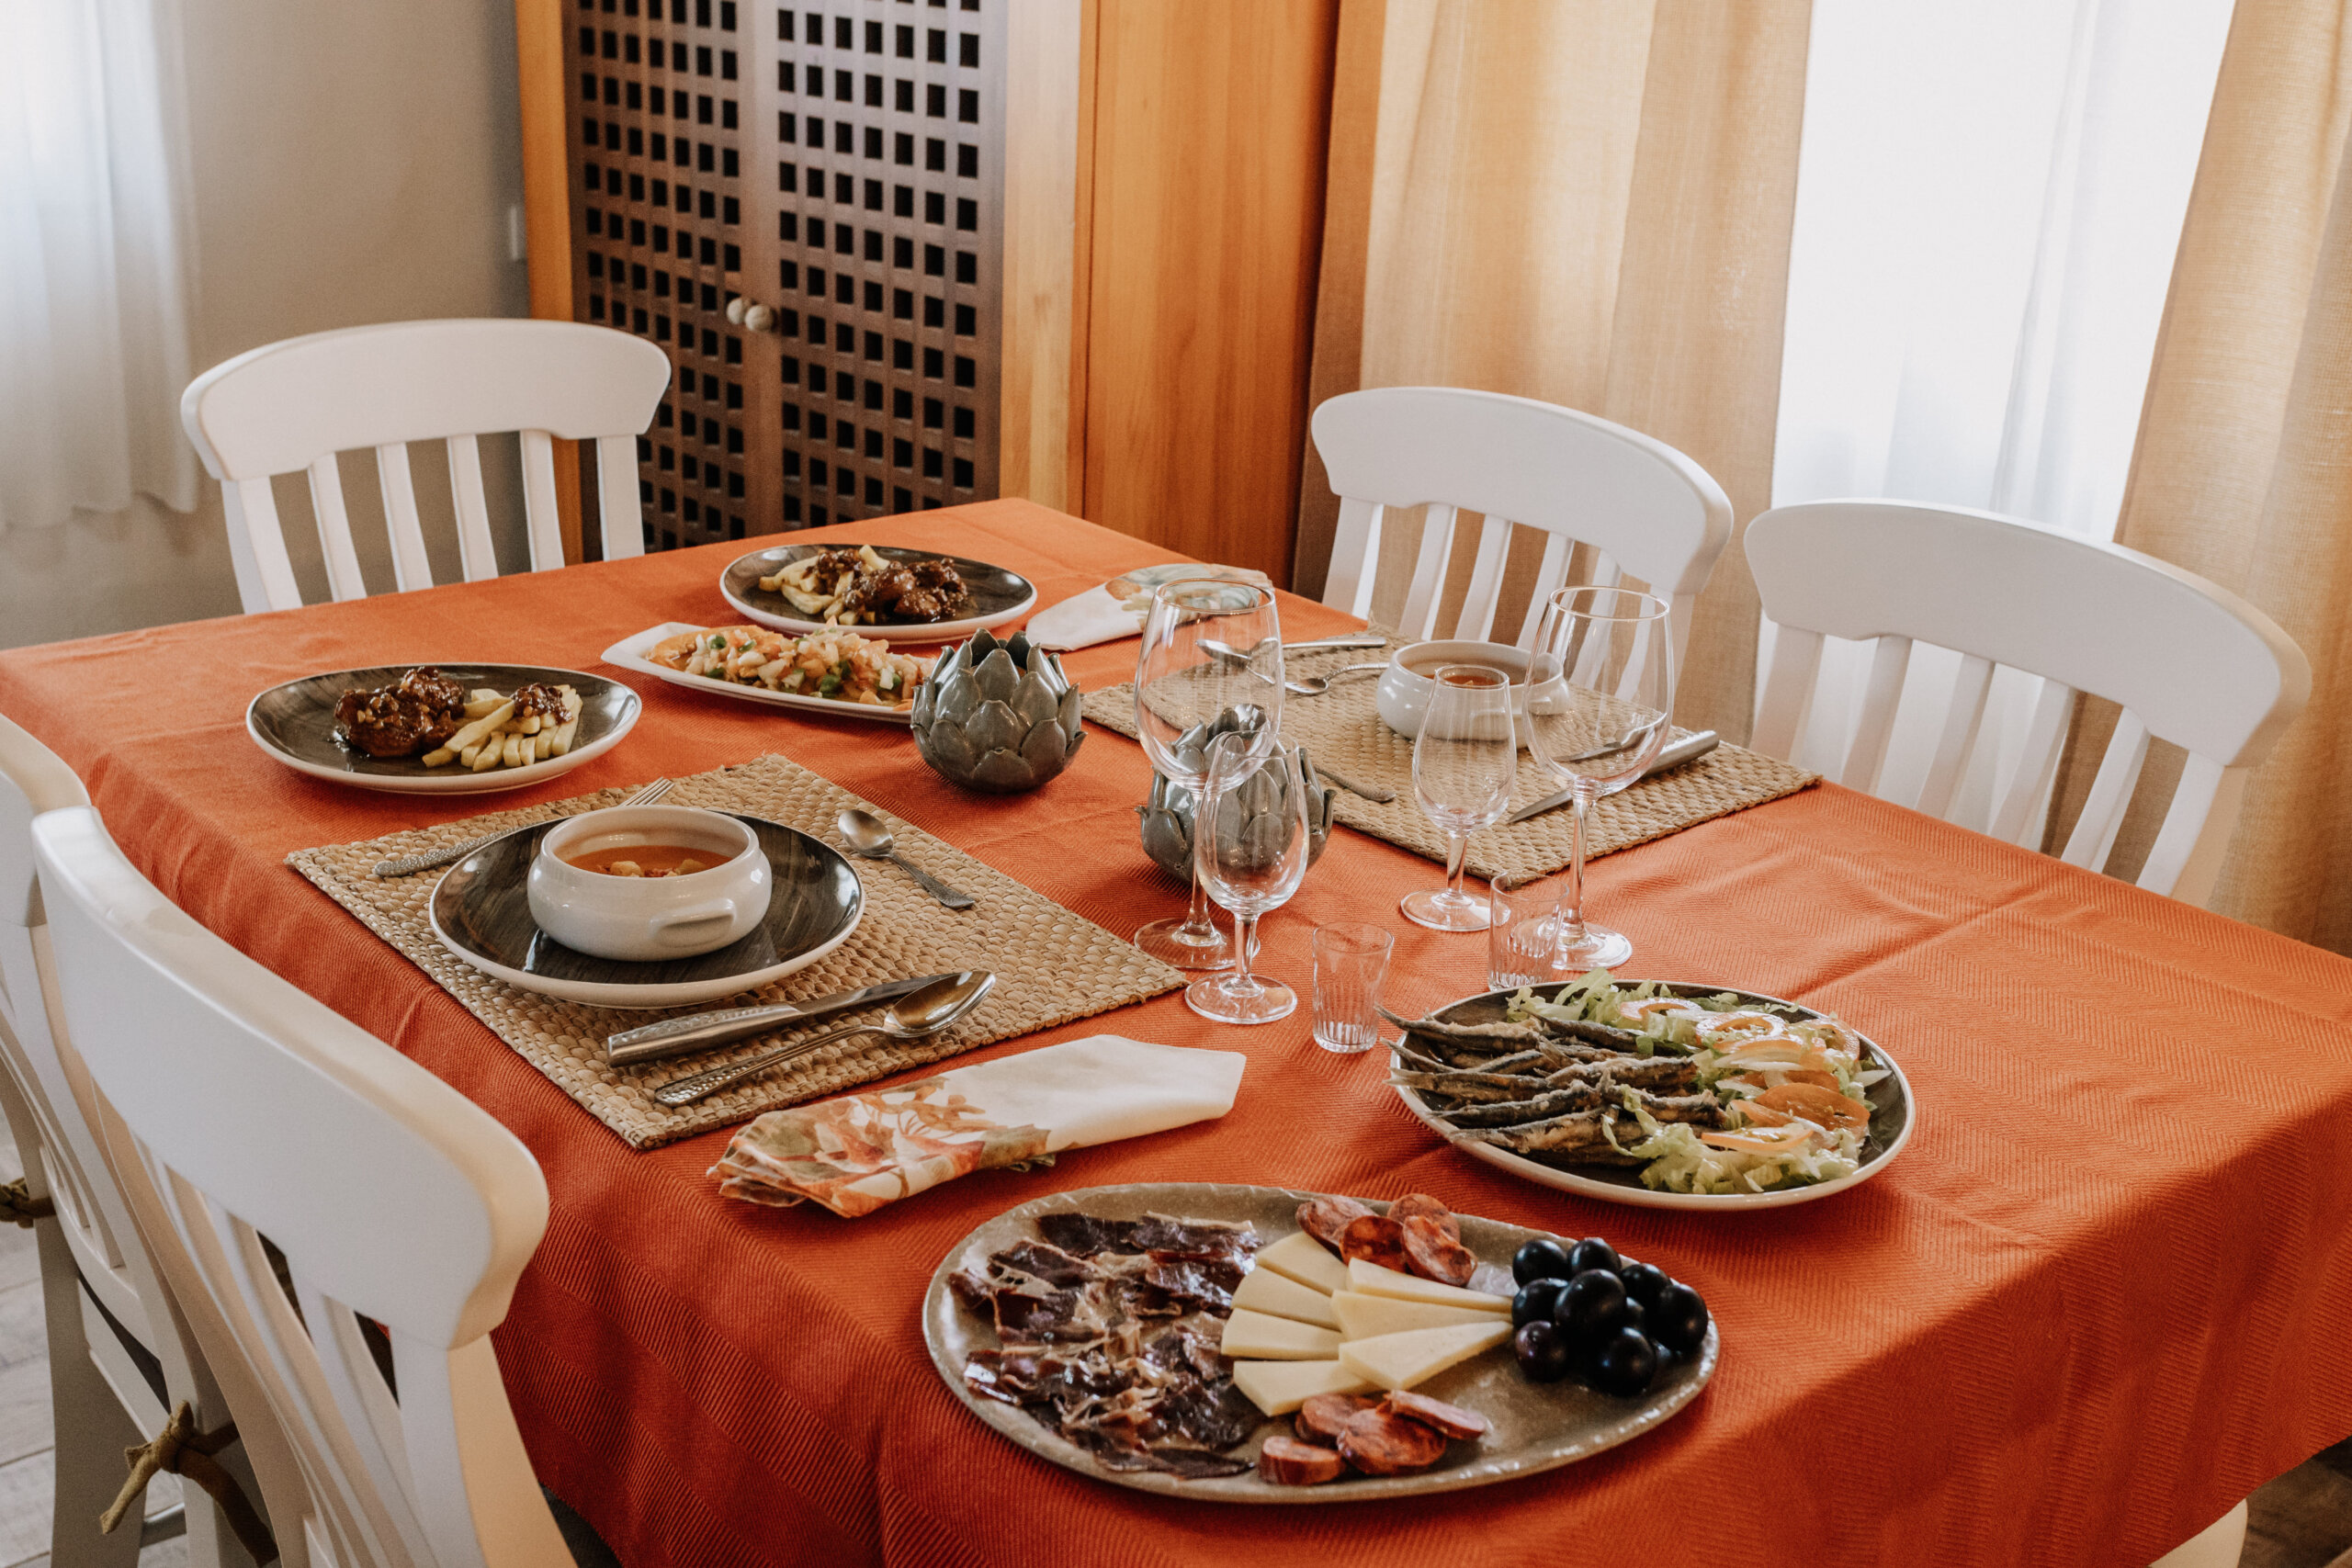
(857, 1152)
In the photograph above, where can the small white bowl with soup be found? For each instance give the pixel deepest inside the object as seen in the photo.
(650, 882)
(1403, 695)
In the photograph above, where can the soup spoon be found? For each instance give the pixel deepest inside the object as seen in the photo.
(868, 840)
(913, 1017)
(1315, 685)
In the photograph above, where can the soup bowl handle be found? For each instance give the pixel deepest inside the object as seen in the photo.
(674, 928)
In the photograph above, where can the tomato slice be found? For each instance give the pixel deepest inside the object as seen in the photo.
(1825, 1107)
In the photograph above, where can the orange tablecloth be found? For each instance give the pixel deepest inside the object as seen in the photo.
(2097, 1302)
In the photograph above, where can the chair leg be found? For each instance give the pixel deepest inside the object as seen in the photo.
(2218, 1545)
(91, 1428)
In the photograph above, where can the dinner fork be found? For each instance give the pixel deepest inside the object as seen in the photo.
(408, 865)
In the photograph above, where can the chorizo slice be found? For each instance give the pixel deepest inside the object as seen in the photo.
(1379, 1443)
(1286, 1461)
(1377, 1239)
(1320, 1419)
(1422, 1204)
(1434, 1254)
(1325, 1218)
(1450, 1419)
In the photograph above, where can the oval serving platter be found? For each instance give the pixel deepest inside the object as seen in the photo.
(998, 595)
(1893, 1115)
(480, 911)
(1536, 1426)
(293, 723)
(631, 653)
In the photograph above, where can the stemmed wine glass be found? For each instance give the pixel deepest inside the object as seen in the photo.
(1464, 761)
(1210, 646)
(1600, 694)
(1251, 846)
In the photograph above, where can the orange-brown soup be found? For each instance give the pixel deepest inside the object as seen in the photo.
(648, 860)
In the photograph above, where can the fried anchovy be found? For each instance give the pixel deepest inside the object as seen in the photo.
(1594, 1033)
(1696, 1107)
(1641, 1072)
(1462, 1088)
(1516, 1034)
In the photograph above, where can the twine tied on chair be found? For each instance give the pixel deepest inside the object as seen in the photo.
(180, 1449)
(20, 1207)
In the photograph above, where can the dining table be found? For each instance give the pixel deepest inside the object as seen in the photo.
(2098, 1298)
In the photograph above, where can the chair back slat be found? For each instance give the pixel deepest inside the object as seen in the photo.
(1786, 702)
(619, 509)
(2187, 661)
(257, 547)
(1418, 621)
(1551, 576)
(412, 567)
(1963, 721)
(1355, 557)
(260, 1111)
(2186, 858)
(476, 557)
(1484, 594)
(2093, 839)
(2045, 738)
(542, 522)
(292, 405)
(1866, 757)
(343, 580)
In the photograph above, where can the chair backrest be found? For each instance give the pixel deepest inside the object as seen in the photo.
(291, 406)
(395, 1202)
(2187, 661)
(1650, 512)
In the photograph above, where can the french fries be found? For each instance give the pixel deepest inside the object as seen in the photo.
(494, 738)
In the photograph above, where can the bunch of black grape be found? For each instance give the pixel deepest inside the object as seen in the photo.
(1615, 1324)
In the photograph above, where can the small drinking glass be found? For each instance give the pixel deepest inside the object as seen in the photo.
(1210, 648)
(1250, 862)
(1351, 961)
(1523, 943)
(1599, 691)
(1465, 763)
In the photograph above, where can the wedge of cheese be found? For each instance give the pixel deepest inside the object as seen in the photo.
(1372, 1280)
(1363, 1317)
(1300, 1257)
(1280, 1387)
(1402, 1360)
(1255, 1336)
(1264, 1291)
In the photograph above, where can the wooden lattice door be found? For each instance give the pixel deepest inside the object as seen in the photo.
(802, 205)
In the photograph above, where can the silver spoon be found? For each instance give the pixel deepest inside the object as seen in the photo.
(1231, 654)
(1315, 685)
(868, 840)
(912, 1017)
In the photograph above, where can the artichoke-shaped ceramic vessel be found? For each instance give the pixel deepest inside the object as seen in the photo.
(1248, 813)
(996, 717)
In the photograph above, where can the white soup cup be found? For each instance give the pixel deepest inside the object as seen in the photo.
(649, 919)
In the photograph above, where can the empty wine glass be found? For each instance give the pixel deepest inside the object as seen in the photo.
(1599, 696)
(1211, 649)
(1464, 761)
(1249, 848)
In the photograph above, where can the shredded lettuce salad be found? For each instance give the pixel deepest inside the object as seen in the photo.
(1793, 1087)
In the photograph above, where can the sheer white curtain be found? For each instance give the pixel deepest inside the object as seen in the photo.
(94, 259)
(1989, 196)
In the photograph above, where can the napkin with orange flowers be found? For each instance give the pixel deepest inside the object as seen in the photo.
(857, 1152)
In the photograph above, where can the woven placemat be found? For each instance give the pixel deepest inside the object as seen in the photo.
(1051, 964)
(1344, 728)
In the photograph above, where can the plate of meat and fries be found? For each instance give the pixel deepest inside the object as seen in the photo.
(449, 728)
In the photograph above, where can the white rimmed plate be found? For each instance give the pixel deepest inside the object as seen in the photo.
(294, 724)
(1893, 1115)
(630, 653)
(998, 595)
(480, 911)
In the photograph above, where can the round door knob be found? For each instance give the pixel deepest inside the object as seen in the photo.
(735, 310)
(759, 318)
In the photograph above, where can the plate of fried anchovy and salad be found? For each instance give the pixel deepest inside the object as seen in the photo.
(1237, 1344)
(1658, 1094)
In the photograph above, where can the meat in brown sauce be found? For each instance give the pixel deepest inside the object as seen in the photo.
(412, 715)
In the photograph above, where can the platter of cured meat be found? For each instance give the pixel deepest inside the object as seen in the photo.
(1259, 1344)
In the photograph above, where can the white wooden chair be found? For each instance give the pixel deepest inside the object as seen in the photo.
(120, 1354)
(393, 1200)
(1652, 513)
(2187, 661)
(289, 406)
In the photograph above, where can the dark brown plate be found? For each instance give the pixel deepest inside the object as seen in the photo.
(998, 595)
(480, 911)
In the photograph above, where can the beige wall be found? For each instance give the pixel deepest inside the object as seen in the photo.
(352, 163)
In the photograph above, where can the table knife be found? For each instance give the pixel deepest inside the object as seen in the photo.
(674, 1036)
(1325, 644)
(1690, 748)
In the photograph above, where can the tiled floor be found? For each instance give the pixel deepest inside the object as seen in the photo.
(2304, 1519)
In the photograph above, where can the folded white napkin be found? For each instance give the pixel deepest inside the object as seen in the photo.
(1116, 609)
(857, 1153)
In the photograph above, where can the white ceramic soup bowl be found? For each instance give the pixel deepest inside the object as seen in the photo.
(649, 919)
(1403, 696)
